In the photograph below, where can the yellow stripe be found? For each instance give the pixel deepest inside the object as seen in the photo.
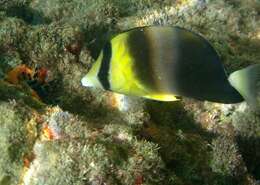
(122, 77)
(122, 74)
(162, 97)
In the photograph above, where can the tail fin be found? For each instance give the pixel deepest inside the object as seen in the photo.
(247, 82)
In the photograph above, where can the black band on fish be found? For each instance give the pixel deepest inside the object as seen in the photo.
(103, 74)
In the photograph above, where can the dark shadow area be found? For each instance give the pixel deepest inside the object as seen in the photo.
(184, 145)
(97, 36)
(186, 148)
(250, 150)
(173, 115)
(10, 92)
(29, 15)
(86, 110)
(76, 101)
(220, 179)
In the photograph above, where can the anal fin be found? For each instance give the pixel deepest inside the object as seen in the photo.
(162, 97)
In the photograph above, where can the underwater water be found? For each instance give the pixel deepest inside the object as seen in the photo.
(54, 131)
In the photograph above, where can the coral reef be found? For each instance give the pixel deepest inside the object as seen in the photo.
(75, 135)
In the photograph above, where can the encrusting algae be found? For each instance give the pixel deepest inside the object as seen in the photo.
(75, 135)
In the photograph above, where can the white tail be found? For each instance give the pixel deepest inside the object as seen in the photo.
(247, 82)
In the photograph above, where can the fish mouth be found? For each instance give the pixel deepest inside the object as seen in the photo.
(86, 82)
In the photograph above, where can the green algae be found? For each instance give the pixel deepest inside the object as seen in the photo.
(14, 143)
